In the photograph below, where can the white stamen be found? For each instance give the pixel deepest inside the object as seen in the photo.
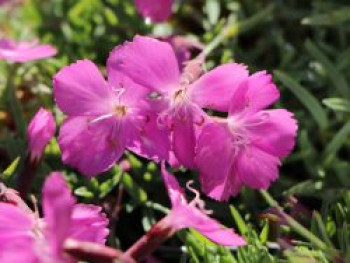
(197, 201)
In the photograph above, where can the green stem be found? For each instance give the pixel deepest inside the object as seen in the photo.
(232, 30)
(12, 101)
(297, 227)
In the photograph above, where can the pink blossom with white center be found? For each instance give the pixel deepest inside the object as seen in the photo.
(179, 98)
(24, 51)
(104, 118)
(41, 130)
(24, 237)
(246, 147)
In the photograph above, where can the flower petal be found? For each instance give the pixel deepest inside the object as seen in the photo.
(215, 157)
(80, 89)
(215, 88)
(18, 249)
(184, 141)
(212, 229)
(23, 52)
(41, 129)
(89, 224)
(262, 91)
(256, 168)
(255, 93)
(92, 148)
(176, 193)
(184, 215)
(153, 143)
(57, 205)
(14, 223)
(277, 134)
(147, 61)
(156, 12)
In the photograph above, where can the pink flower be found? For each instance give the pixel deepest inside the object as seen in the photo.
(41, 130)
(156, 11)
(245, 148)
(179, 97)
(193, 215)
(26, 238)
(104, 118)
(24, 51)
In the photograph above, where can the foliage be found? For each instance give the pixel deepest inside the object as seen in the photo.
(305, 44)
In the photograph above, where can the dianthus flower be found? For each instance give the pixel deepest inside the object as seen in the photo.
(179, 98)
(183, 214)
(104, 118)
(24, 237)
(245, 148)
(24, 51)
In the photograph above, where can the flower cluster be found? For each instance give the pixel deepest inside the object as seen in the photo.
(152, 108)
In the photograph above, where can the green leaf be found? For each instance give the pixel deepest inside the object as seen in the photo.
(305, 97)
(337, 104)
(337, 141)
(202, 238)
(135, 191)
(334, 17)
(9, 171)
(83, 191)
(107, 186)
(264, 235)
(338, 79)
(242, 227)
(212, 8)
(321, 228)
(306, 188)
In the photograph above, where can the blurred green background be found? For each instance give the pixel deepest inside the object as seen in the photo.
(304, 44)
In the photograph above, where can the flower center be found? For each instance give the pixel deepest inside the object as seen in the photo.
(239, 127)
(179, 96)
(240, 138)
(197, 201)
(120, 110)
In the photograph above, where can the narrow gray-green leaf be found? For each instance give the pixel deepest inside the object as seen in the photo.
(337, 140)
(242, 227)
(334, 17)
(213, 10)
(335, 76)
(305, 97)
(337, 104)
